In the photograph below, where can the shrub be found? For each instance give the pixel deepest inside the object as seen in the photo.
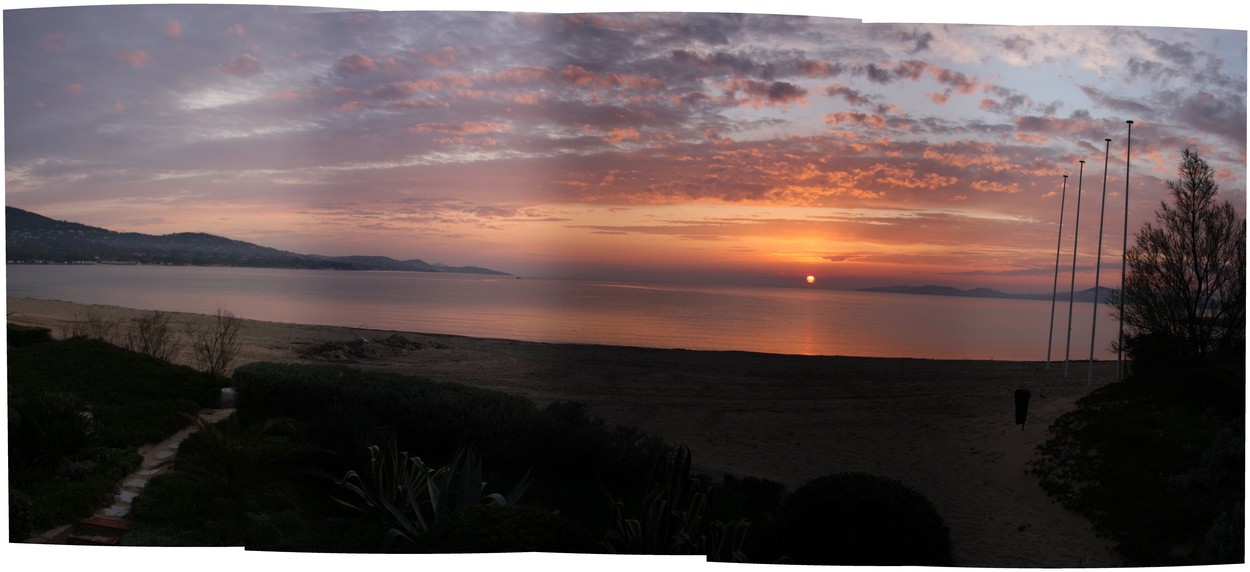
(862, 520)
(50, 428)
(99, 372)
(56, 501)
(244, 463)
(754, 500)
(21, 524)
(216, 343)
(146, 421)
(572, 455)
(26, 335)
(1152, 465)
(151, 335)
(91, 324)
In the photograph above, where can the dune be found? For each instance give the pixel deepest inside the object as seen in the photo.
(945, 428)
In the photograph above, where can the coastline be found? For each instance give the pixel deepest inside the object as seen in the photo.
(943, 427)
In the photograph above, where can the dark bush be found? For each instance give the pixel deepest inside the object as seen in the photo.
(862, 520)
(27, 335)
(571, 454)
(1152, 464)
(759, 502)
(348, 409)
(21, 523)
(479, 529)
(101, 373)
(49, 428)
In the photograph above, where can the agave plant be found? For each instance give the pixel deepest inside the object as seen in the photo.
(50, 429)
(415, 497)
(672, 518)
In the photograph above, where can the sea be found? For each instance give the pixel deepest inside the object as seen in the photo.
(804, 321)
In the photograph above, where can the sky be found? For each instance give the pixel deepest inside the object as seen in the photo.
(650, 146)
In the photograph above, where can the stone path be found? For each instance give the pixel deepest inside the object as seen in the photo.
(108, 524)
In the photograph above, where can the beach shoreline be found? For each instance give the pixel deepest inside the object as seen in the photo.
(943, 427)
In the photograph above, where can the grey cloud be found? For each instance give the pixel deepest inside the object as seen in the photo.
(1177, 53)
(920, 41)
(1222, 116)
(1120, 104)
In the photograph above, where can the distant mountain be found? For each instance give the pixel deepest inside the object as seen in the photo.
(931, 290)
(30, 238)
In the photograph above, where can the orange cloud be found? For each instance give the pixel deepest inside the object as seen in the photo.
(136, 58)
(619, 134)
(866, 119)
(173, 29)
(995, 187)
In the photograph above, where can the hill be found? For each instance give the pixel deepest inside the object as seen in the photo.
(34, 238)
(932, 290)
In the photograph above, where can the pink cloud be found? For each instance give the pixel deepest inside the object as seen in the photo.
(173, 29)
(236, 31)
(581, 76)
(354, 64)
(441, 58)
(136, 58)
(813, 68)
(291, 95)
(404, 89)
(242, 66)
(56, 42)
(75, 88)
(866, 119)
(464, 128)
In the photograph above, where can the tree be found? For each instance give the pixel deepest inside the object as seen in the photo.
(1184, 298)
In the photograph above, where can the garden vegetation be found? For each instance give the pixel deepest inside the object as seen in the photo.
(335, 459)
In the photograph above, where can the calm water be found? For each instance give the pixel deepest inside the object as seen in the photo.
(774, 320)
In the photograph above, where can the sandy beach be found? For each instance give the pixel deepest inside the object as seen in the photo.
(945, 428)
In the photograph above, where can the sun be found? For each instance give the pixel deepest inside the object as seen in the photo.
(811, 279)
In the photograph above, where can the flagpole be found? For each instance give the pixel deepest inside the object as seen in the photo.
(1072, 289)
(1119, 356)
(1098, 262)
(1055, 288)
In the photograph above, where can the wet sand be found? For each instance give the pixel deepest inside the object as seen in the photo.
(944, 428)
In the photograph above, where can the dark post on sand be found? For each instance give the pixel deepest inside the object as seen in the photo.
(1022, 406)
